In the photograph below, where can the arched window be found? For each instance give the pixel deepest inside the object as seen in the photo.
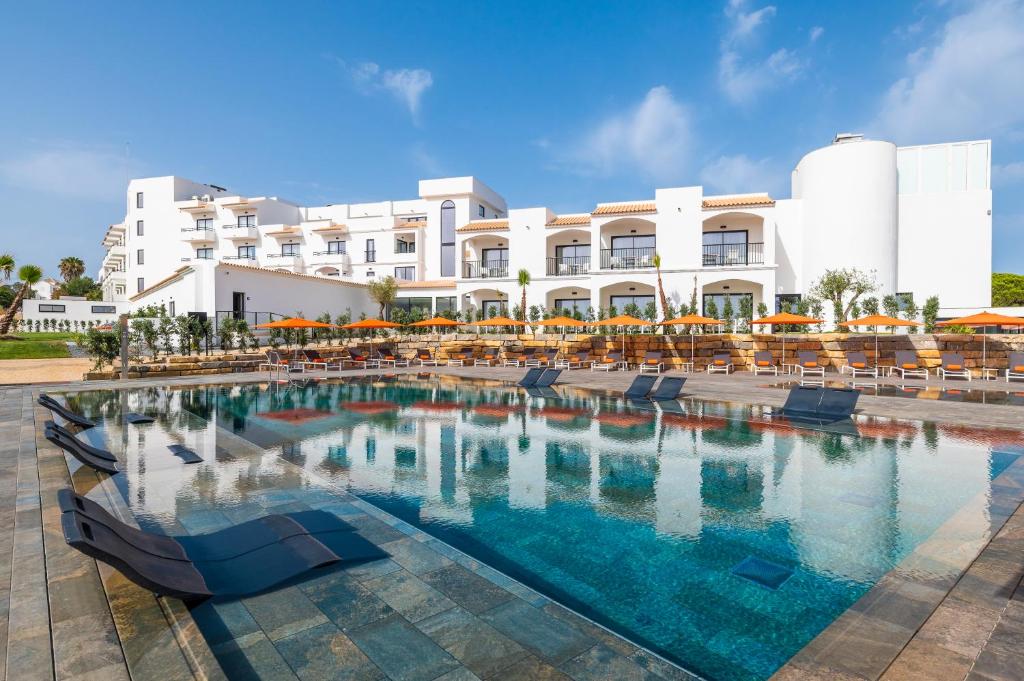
(448, 239)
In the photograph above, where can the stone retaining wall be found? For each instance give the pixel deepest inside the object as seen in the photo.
(831, 349)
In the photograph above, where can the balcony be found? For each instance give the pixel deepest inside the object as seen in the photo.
(733, 255)
(329, 256)
(234, 231)
(288, 261)
(568, 267)
(245, 259)
(484, 269)
(198, 234)
(627, 258)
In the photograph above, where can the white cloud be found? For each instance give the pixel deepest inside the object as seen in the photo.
(1006, 174)
(406, 85)
(99, 175)
(652, 137)
(740, 174)
(427, 162)
(967, 83)
(740, 77)
(816, 32)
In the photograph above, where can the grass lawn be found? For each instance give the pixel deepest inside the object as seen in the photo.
(44, 335)
(33, 349)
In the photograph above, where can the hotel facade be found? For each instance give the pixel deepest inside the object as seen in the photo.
(919, 218)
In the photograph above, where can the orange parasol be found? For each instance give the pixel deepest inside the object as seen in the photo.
(560, 321)
(786, 318)
(437, 321)
(499, 321)
(295, 323)
(622, 320)
(371, 324)
(877, 320)
(692, 320)
(985, 320)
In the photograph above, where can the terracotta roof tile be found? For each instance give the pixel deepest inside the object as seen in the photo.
(331, 228)
(484, 226)
(570, 219)
(287, 231)
(738, 200)
(626, 208)
(436, 283)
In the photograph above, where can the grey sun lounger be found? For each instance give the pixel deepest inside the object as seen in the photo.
(530, 378)
(669, 388)
(74, 447)
(65, 413)
(548, 378)
(817, 403)
(98, 452)
(640, 387)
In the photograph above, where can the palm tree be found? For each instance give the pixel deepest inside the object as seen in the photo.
(7, 266)
(661, 288)
(383, 291)
(29, 276)
(524, 281)
(71, 268)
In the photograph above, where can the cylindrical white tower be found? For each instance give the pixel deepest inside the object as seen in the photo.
(850, 204)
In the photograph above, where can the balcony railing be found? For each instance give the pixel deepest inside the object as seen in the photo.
(371, 256)
(326, 253)
(197, 229)
(627, 258)
(240, 257)
(484, 269)
(405, 247)
(724, 255)
(283, 255)
(567, 267)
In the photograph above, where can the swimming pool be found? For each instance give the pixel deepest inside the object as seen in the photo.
(712, 533)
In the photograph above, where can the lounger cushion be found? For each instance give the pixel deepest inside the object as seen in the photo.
(908, 365)
(763, 363)
(953, 367)
(652, 361)
(719, 362)
(1018, 368)
(810, 364)
(857, 365)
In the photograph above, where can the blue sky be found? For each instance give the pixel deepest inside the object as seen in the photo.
(559, 104)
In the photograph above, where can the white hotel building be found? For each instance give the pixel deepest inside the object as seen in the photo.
(919, 217)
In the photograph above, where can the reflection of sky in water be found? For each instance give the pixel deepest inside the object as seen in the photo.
(634, 516)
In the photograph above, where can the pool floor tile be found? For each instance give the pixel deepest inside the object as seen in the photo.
(475, 644)
(252, 657)
(403, 652)
(284, 612)
(325, 652)
(409, 595)
(470, 591)
(550, 639)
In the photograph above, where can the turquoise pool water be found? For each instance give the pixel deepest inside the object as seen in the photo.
(712, 533)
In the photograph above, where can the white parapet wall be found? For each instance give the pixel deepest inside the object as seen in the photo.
(71, 310)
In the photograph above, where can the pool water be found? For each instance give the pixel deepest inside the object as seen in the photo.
(715, 534)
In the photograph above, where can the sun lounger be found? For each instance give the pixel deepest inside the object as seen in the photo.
(545, 359)
(807, 364)
(487, 358)
(721, 362)
(548, 378)
(513, 358)
(574, 361)
(652, 363)
(85, 446)
(857, 365)
(640, 387)
(460, 358)
(610, 362)
(62, 411)
(819, 403)
(530, 378)
(425, 358)
(1015, 368)
(313, 359)
(275, 362)
(764, 363)
(907, 364)
(74, 447)
(952, 367)
(669, 388)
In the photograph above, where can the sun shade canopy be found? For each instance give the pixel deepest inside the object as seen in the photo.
(787, 318)
(878, 320)
(560, 321)
(691, 319)
(622, 320)
(984, 319)
(437, 321)
(295, 323)
(371, 324)
(499, 321)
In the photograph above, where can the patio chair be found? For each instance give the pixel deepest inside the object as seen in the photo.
(652, 362)
(575, 360)
(317, 361)
(75, 448)
(545, 359)
(512, 358)
(458, 359)
(952, 367)
(610, 362)
(820, 403)
(857, 365)
(530, 377)
(907, 364)
(386, 355)
(807, 364)
(487, 358)
(425, 357)
(1015, 367)
(548, 378)
(721, 362)
(669, 388)
(764, 363)
(640, 387)
(57, 408)
(359, 357)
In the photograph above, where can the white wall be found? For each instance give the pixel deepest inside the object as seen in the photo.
(80, 310)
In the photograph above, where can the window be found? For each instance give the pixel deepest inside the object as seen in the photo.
(494, 308)
(336, 247)
(572, 305)
(445, 304)
(51, 308)
(247, 252)
(481, 212)
(140, 257)
(494, 257)
(170, 309)
(140, 285)
(289, 249)
(104, 309)
(621, 302)
(403, 246)
(204, 254)
(138, 199)
(633, 241)
(405, 273)
(448, 239)
(139, 228)
(719, 299)
(784, 302)
(204, 223)
(728, 248)
(410, 304)
(370, 274)
(246, 220)
(371, 251)
(904, 299)
(572, 251)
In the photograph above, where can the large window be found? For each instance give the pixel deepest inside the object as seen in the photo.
(448, 239)
(104, 309)
(139, 228)
(633, 241)
(246, 221)
(204, 254)
(336, 247)
(140, 285)
(728, 248)
(407, 273)
(289, 249)
(409, 304)
(786, 302)
(573, 305)
(719, 299)
(204, 223)
(51, 308)
(247, 252)
(494, 308)
(371, 251)
(494, 257)
(621, 302)
(445, 304)
(572, 251)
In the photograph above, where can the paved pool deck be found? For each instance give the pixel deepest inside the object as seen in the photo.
(430, 612)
